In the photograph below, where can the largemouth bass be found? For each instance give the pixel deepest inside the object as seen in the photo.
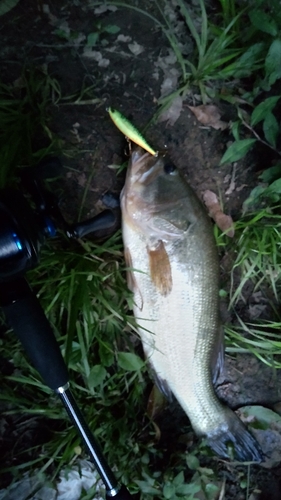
(174, 275)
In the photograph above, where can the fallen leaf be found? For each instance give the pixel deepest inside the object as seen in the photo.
(104, 8)
(97, 56)
(135, 48)
(123, 38)
(256, 310)
(265, 424)
(170, 83)
(166, 64)
(173, 112)
(209, 115)
(255, 495)
(82, 180)
(241, 187)
(223, 221)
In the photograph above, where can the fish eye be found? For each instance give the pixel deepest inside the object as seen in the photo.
(169, 168)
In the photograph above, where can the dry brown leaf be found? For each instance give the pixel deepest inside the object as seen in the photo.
(223, 221)
(255, 495)
(209, 115)
(135, 48)
(173, 112)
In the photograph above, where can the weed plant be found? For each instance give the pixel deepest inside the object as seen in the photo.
(84, 294)
(258, 251)
(257, 258)
(24, 121)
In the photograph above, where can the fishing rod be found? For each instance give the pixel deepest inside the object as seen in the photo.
(24, 227)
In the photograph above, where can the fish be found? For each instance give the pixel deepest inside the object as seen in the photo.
(173, 272)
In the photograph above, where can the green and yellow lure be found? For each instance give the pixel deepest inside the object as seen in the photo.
(130, 131)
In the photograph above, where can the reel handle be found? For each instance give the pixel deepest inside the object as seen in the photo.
(104, 220)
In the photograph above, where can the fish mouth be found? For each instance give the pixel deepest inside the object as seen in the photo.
(138, 160)
(138, 153)
(143, 167)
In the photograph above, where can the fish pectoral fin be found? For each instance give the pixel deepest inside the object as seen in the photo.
(160, 268)
(217, 361)
(131, 280)
(129, 273)
(169, 229)
(161, 384)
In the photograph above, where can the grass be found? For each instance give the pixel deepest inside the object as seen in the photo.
(256, 260)
(213, 55)
(257, 251)
(89, 315)
(261, 339)
(24, 112)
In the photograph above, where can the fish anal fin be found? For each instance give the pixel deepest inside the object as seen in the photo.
(161, 384)
(156, 403)
(131, 280)
(160, 268)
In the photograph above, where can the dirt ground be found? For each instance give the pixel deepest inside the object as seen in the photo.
(127, 70)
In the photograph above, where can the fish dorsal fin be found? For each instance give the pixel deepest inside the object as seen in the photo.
(160, 268)
(131, 280)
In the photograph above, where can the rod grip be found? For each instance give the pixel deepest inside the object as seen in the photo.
(26, 317)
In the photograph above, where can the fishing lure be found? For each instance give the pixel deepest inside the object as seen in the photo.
(130, 131)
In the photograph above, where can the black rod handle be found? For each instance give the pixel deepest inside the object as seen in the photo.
(26, 317)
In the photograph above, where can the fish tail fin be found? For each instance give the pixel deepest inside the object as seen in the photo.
(233, 438)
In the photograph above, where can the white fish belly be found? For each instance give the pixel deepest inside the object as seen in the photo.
(178, 331)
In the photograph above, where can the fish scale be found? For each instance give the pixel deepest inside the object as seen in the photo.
(183, 307)
(174, 276)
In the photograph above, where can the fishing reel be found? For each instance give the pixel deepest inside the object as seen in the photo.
(26, 222)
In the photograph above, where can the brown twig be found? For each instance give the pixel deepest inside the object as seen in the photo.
(259, 138)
